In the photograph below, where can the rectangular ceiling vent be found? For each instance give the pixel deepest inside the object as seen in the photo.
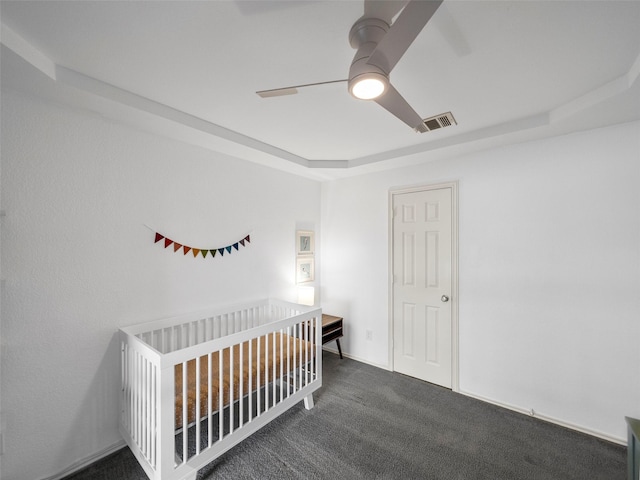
(440, 121)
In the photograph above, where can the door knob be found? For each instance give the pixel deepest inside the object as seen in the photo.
(444, 298)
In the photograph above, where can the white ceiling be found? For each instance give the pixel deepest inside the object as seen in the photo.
(508, 71)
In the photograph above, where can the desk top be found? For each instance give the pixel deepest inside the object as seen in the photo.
(329, 319)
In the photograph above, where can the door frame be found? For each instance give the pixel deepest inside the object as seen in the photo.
(455, 351)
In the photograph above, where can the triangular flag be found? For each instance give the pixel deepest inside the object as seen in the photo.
(213, 252)
(167, 242)
(235, 245)
(196, 251)
(228, 249)
(242, 242)
(204, 253)
(176, 246)
(247, 239)
(158, 238)
(221, 250)
(186, 249)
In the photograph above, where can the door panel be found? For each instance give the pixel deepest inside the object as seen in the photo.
(422, 234)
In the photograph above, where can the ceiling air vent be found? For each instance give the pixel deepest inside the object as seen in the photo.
(440, 121)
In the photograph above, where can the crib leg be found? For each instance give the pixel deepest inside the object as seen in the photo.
(308, 402)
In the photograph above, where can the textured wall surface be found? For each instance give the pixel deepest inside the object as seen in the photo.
(79, 262)
(549, 272)
(549, 267)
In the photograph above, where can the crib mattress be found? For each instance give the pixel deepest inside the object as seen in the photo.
(291, 347)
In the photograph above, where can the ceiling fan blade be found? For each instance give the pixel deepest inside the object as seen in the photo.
(383, 9)
(395, 104)
(402, 33)
(278, 92)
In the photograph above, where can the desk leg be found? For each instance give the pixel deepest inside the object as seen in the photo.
(339, 348)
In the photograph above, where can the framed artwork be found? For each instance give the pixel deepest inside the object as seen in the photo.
(305, 269)
(305, 243)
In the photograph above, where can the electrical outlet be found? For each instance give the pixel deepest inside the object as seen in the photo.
(369, 335)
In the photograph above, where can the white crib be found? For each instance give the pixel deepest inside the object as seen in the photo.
(256, 361)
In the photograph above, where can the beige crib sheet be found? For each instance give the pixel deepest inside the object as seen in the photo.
(251, 367)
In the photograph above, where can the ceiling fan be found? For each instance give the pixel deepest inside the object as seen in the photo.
(380, 43)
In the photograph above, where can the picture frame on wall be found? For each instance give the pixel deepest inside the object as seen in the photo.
(305, 242)
(305, 269)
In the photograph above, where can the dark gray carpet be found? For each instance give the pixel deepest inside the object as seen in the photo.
(372, 424)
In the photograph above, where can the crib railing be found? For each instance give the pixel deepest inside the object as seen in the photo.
(175, 448)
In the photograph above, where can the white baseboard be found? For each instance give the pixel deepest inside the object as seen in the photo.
(357, 359)
(546, 418)
(85, 462)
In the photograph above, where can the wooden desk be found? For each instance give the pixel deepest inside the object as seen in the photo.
(332, 330)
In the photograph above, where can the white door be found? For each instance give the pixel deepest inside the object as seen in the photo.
(422, 284)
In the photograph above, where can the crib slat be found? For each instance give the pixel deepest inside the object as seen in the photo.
(266, 373)
(152, 420)
(295, 361)
(147, 408)
(143, 410)
(137, 400)
(300, 372)
(281, 363)
(241, 391)
(306, 351)
(250, 380)
(259, 368)
(288, 360)
(220, 395)
(198, 406)
(185, 411)
(132, 406)
(273, 375)
(209, 400)
(231, 393)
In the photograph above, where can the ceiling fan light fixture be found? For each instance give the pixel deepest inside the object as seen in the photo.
(368, 86)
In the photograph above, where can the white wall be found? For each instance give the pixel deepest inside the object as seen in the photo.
(79, 262)
(549, 272)
(549, 266)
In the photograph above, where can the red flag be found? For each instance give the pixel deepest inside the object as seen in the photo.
(186, 249)
(158, 238)
(167, 242)
(176, 246)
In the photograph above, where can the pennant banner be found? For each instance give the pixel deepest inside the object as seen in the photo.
(202, 251)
